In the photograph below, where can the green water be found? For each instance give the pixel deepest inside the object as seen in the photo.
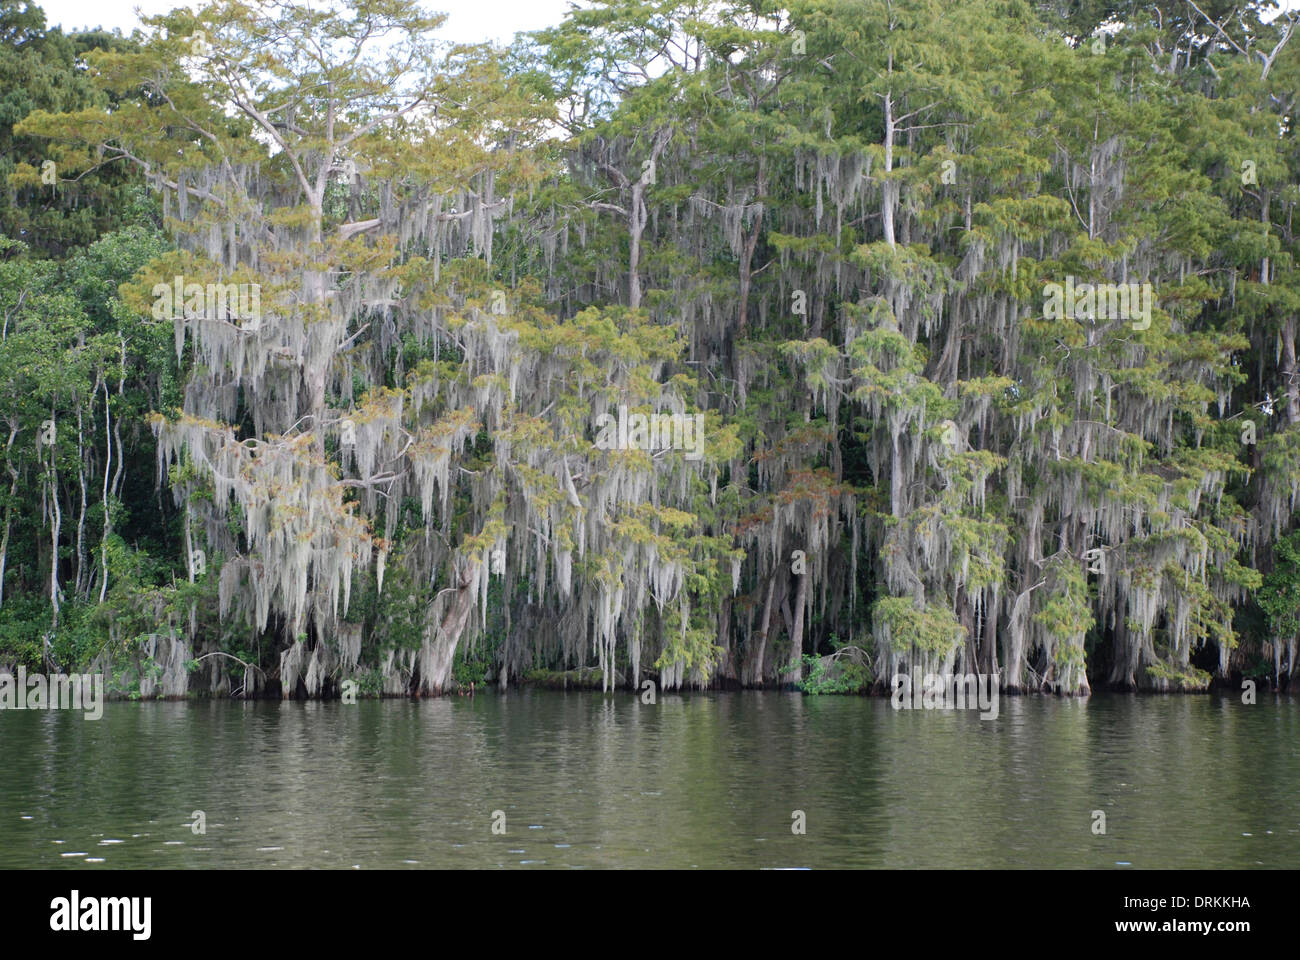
(696, 780)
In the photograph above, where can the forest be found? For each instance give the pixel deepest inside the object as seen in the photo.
(715, 343)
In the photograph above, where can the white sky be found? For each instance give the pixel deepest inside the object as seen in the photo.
(469, 21)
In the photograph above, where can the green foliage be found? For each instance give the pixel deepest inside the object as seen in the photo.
(905, 626)
(586, 678)
(469, 670)
(827, 229)
(1280, 594)
(43, 69)
(837, 673)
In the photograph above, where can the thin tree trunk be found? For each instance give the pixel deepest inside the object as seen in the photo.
(753, 673)
(637, 218)
(889, 189)
(108, 463)
(119, 474)
(747, 257)
(189, 541)
(56, 526)
(1290, 373)
(794, 666)
(636, 226)
(988, 661)
(9, 508)
(81, 577)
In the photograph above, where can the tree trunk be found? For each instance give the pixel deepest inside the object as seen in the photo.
(1289, 371)
(757, 648)
(988, 660)
(747, 257)
(889, 188)
(794, 665)
(9, 508)
(437, 657)
(108, 514)
(636, 226)
(81, 577)
(56, 526)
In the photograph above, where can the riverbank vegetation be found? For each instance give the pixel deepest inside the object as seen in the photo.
(986, 313)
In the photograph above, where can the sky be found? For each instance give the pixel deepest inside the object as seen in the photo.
(469, 21)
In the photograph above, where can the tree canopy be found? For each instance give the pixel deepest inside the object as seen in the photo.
(718, 343)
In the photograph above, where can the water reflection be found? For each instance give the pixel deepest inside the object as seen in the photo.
(709, 780)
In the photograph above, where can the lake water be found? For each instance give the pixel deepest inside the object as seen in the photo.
(695, 780)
